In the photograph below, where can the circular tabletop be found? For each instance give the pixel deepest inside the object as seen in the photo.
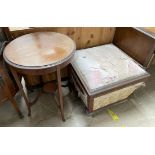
(39, 50)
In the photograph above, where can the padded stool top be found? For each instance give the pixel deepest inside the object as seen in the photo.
(104, 66)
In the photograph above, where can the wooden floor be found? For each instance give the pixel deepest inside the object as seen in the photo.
(138, 111)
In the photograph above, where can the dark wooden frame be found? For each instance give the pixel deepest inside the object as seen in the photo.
(90, 97)
(135, 43)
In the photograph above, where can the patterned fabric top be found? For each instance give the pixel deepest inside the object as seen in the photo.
(104, 65)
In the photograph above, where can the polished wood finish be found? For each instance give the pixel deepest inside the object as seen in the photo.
(84, 37)
(39, 49)
(136, 44)
(59, 48)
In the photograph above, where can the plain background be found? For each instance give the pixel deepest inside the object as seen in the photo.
(77, 141)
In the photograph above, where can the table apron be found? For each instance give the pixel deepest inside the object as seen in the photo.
(40, 71)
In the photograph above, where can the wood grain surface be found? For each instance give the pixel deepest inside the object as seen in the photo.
(39, 49)
(136, 44)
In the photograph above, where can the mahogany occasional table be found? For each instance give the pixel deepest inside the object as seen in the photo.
(37, 54)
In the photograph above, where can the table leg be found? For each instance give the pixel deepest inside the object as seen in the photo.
(69, 77)
(61, 104)
(12, 100)
(14, 73)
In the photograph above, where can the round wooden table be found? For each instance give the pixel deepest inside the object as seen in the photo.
(37, 54)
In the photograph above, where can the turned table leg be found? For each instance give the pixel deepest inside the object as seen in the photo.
(14, 73)
(61, 104)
